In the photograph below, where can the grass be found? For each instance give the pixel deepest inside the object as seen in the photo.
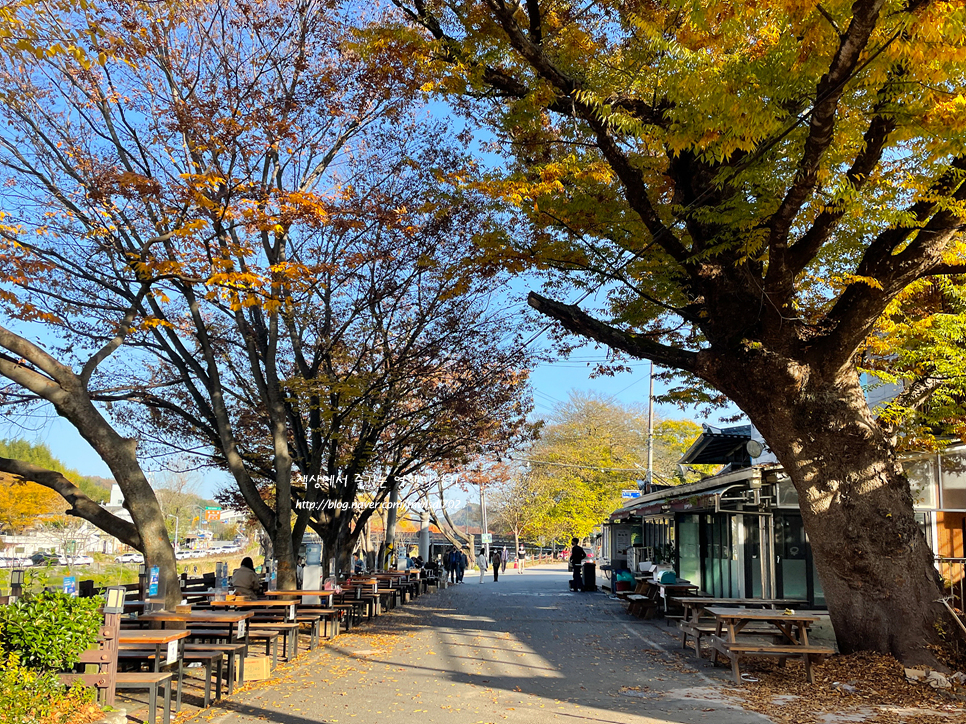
(105, 572)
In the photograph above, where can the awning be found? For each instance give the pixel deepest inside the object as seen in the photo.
(720, 447)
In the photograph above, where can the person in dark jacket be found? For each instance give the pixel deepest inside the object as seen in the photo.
(496, 559)
(577, 556)
(453, 559)
(461, 565)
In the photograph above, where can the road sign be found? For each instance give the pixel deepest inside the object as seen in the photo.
(486, 538)
(630, 494)
(212, 513)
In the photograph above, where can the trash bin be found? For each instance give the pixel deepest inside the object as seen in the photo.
(589, 576)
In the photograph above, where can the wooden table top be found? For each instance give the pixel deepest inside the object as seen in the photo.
(748, 614)
(300, 593)
(150, 636)
(198, 616)
(258, 603)
(710, 601)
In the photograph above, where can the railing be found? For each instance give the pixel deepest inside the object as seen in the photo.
(953, 572)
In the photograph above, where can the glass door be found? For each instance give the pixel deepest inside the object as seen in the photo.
(792, 559)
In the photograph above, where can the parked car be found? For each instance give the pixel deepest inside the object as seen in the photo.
(46, 559)
(129, 558)
(78, 560)
(181, 555)
(588, 559)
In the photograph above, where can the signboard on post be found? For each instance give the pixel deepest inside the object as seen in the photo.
(153, 581)
(630, 494)
(486, 538)
(212, 513)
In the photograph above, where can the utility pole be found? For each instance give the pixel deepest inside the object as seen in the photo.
(650, 428)
(483, 524)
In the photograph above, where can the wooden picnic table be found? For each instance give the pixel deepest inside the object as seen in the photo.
(695, 608)
(649, 596)
(289, 606)
(171, 640)
(223, 618)
(791, 629)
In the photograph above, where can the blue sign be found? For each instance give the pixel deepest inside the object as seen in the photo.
(630, 494)
(70, 585)
(153, 585)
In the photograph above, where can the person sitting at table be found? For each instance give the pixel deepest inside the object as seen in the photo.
(245, 581)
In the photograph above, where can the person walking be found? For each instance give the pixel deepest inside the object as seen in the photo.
(577, 556)
(463, 564)
(481, 564)
(446, 563)
(454, 564)
(496, 559)
(521, 559)
(505, 559)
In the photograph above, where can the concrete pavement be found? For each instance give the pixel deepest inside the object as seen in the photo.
(520, 650)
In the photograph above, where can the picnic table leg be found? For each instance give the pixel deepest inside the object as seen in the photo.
(734, 666)
(208, 666)
(232, 664)
(809, 674)
(167, 702)
(153, 704)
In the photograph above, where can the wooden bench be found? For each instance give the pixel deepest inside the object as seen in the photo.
(208, 658)
(328, 615)
(150, 682)
(734, 651)
(288, 631)
(641, 605)
(697, 630)
(270, 638)
(234, 653)
(108, 680)
(104, 657)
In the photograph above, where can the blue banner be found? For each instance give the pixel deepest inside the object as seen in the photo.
(153, 585)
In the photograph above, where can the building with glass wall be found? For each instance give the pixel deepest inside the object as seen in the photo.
(740, 532)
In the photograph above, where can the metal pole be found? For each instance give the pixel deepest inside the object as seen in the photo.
(483, 522)
(650, 427)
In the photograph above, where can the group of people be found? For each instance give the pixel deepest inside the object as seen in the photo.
(455, 564)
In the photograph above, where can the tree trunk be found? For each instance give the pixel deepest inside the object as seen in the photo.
(284, 550)
(68, 393)
(391, 522)
(872, 558)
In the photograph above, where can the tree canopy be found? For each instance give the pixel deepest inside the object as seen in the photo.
(590, 449)
(259, 220)
(748, 187)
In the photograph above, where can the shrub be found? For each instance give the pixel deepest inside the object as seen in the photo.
(30, 696)
(49, 631)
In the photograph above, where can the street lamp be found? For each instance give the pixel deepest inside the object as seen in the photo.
(16, 582)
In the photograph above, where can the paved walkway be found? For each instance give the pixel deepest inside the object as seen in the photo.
(519, 650)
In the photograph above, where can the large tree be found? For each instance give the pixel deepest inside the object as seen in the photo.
(590, 449)
(283, 231)
(750, 185)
